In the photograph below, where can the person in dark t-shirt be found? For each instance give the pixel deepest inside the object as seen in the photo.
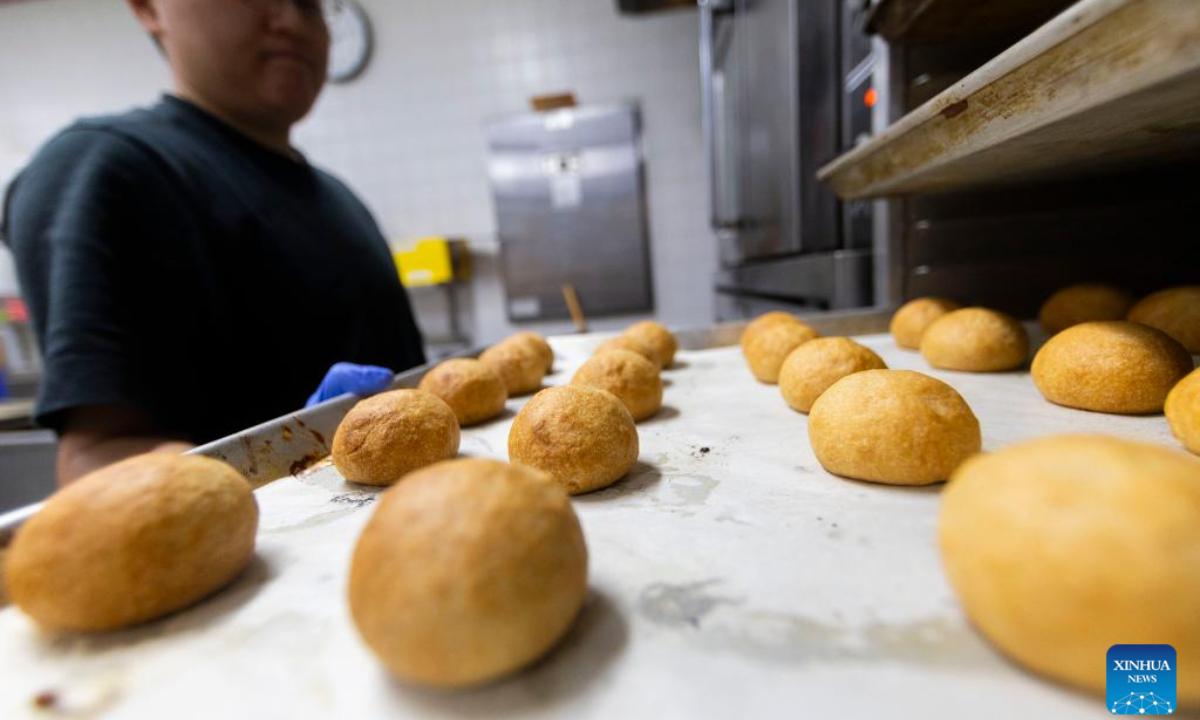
(188, 272)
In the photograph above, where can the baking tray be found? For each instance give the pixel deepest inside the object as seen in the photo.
(729, 576)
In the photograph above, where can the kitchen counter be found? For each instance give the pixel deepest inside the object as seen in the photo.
(730, 576)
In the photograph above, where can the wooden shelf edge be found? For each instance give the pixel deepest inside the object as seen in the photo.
(1086, 59)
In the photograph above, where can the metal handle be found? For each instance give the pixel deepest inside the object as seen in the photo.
(708, 11)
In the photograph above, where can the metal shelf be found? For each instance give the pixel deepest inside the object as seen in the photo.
(1106, 83)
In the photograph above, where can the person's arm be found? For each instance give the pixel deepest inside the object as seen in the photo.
(97, 435)
(76, 220)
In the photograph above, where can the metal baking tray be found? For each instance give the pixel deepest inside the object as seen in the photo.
(729, 575)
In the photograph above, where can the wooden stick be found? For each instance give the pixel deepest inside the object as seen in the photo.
(577, 317)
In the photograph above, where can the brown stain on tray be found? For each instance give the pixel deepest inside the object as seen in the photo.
(954, 109)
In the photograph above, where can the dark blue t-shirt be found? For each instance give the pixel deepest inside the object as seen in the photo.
(174, 264)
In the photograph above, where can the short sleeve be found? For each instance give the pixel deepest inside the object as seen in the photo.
(72, 219)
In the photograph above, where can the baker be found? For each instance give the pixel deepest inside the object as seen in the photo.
(189, 273)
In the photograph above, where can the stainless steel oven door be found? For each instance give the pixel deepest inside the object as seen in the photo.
(770, 116)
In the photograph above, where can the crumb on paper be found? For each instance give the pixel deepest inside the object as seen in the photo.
(45, 699)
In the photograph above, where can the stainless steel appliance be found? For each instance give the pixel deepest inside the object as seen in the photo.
(570, 209)
(773, 77)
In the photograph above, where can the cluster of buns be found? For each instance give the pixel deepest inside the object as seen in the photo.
(951, 337)
(865, 422)
(421, 594)
(521, 360)
(648, 339)
(1075, 525)
(1110, 354)
(769, 339)
(1106, 352)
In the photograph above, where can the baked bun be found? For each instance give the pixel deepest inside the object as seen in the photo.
(975, 340)
(388, 435)
(582, 436)
(631, 344)
(770, 345)
(1175, 311)
(892, 426)
(1061, 547)
(1113, 367)
(656, 337)
(539, 344)
(633, 379)
(911, 320)
(1087, 302)
(133, 541)
(1183, 411)
(468, 570)
(518, 363)
(811, 368)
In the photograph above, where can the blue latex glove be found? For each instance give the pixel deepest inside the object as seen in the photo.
(350, 378)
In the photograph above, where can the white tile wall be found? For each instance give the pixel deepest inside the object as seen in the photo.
(407, 135)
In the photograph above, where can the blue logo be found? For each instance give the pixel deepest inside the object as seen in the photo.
(1141, 680)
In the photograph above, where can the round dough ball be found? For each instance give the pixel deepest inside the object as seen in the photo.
(519, 364)
(915, 316)
(468, 570)
(975, 340)
(1061, 547)
(819, 363)
(133, 541)
(762, 322)
(1183, 411)
(387, 436)
(1175, 311)
(539, 344)
(629, 344)
(632, 378)
(1083, 303)
(892, 426)
(1111, 367)
(472, 389)
(769, 346)
(656, 337)
(582, 436)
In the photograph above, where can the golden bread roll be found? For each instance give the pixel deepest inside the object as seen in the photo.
(1175, 311)
(471, 388)
(629, 344)
(975, 340)
(582, 436)
(1082, 303)
(1112, 367)
(1061, 547)
(133, 541)
(913, 317)
(1183, 411)
(762, 322)
(468, 570)
(770, 345)
(518, 363)
(811, 368)
(656, 337)
(629, 376)
(539, 344)
(387, 436)
(892, 426)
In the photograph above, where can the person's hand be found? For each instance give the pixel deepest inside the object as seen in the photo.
(350, 378)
